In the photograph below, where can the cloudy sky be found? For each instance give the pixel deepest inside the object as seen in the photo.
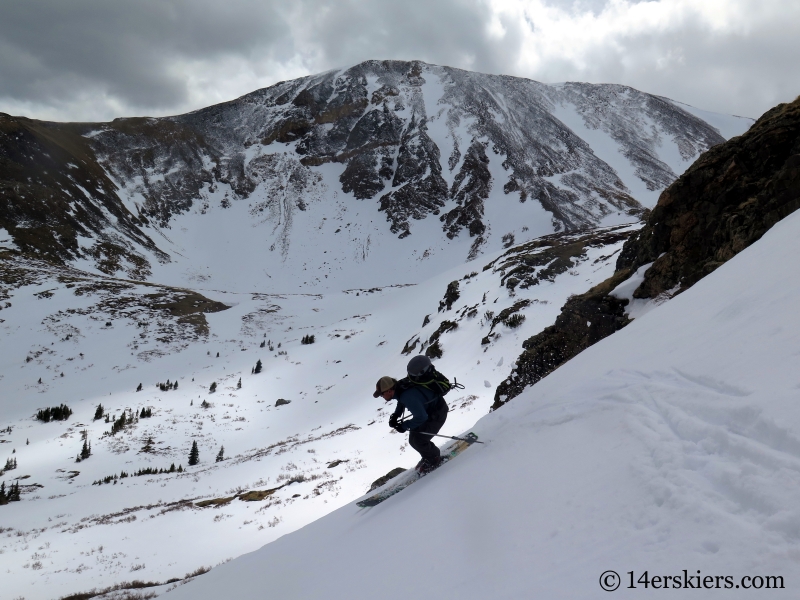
(94, 60)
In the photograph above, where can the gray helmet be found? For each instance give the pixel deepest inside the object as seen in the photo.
(418, 366)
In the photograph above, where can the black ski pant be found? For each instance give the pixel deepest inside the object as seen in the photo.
(437, 415)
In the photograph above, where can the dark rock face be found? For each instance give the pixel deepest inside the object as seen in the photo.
(723, 203)
(584, 320)
(470, 190)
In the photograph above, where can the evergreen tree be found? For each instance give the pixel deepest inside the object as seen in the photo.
(98, 412)
(13, 495)
(264, 343)
(3, 496)
(139, 388)
(239, 385)
(213, 388)
(221, 454)
(258, 366)
(175, 387)
(194, 454)
(86, 451)
(217, 354)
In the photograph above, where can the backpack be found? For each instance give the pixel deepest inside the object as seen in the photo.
(432, 380)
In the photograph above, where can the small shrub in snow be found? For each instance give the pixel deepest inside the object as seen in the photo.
(514, 320)
(213, 388)
(434, 350)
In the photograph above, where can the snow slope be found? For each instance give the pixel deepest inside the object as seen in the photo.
(672, 445)
(68, 535)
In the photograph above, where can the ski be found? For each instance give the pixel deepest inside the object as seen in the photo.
(402, 481)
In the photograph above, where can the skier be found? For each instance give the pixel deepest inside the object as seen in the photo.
(428, 410)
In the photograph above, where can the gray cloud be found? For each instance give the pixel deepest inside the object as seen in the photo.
(95, 60)
(51, 51)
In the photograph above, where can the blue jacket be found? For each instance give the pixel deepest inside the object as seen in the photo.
(415, 399)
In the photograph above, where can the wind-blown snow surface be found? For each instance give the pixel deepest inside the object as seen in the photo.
(674, 444)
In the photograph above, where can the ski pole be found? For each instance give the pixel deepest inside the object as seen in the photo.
(468, 440)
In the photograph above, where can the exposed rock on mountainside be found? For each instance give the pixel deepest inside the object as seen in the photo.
(724, 202)
(517, 273)
(415, 139)
(53, 192)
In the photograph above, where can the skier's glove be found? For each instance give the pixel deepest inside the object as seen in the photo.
(393, 421)
(400, 428)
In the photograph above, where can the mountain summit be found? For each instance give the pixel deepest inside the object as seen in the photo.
(465, 162)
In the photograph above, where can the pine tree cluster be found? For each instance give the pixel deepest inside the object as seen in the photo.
(146, 413)
(12, 495)
(139, 473)
(165, 387)
(55, 413)
(258, 367)
(11, 464)
(99, 412)
(126, 418)
(307, 339)
(86, 451)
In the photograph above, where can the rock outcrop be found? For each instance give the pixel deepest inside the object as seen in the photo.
(726, 201)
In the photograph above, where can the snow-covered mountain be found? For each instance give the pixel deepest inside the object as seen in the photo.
(386, 209)
(287, 187)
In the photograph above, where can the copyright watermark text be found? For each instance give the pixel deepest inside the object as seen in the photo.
(611, 580)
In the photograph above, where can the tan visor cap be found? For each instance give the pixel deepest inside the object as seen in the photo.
(384, 383)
